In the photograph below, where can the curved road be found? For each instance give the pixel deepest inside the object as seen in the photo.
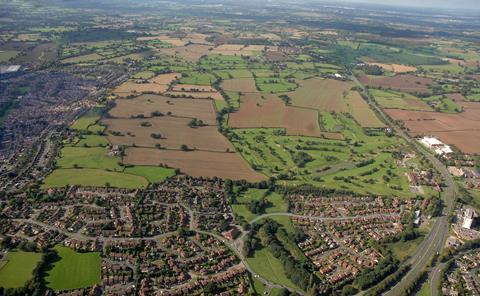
(435, 240)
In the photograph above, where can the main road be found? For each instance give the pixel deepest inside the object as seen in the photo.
(434, 241)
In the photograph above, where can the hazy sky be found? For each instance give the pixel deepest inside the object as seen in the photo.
(468, 4)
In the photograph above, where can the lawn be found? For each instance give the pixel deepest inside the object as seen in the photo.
(93, 177)
(258, 286)
(151, 173)
(74, 270)
(269, 268)
(17, 268)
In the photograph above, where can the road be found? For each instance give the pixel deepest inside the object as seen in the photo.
(435, 240)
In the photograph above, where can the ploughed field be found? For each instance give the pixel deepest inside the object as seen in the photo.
(461, 129)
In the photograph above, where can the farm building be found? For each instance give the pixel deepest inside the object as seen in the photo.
(436, 145)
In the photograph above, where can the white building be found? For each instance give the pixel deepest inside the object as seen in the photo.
(468, 217)
(436, 145)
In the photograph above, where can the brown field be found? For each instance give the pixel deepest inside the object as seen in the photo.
(197, 38)
(361, 112)
(457, 97)
(239, 49)
(192, 87)
(158, 84)
(131, 87)
(191, 52)
(396, 68)
(270, 111)
(197, 95)
(196, 163)
(244, 85)
(165, 79)
(164, 38)
(146, 104)
(461, 129)
(321, 94)
(174, 132)
(276, 56)
(404, 82)
(230, 47)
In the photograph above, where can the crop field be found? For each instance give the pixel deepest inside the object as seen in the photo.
(17, 267)
(157, 84)
(404, 82)
(146, 104)
(172, 131)
(193, 88)
(321, 94)
(257, 110)
(397, 100)
(395, 68)
(190, 53)
(238, 50)
(361, 112)
(244, 85)
(214, 95)
(461, 129)
(73, 270)
(196, 163)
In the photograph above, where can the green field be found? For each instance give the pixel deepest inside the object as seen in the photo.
(85, 121)
(17, 267)
(93, 177)
(143, 75)
(332, 162)
(197, 78)
(73, 270)
(92, 141)
(443, 104)
(92, 158)
(398, 100)
(277, 203)
(269, 268)
(447, 68)
(151, 173)
(274, 85)
(5, 56)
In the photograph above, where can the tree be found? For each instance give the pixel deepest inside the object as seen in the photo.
(184, 147)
